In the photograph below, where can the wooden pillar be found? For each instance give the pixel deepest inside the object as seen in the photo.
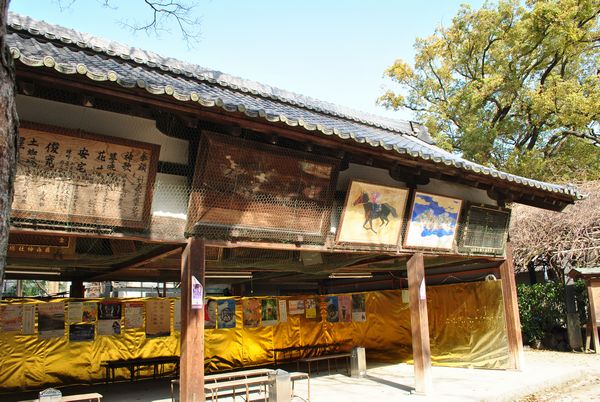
(77, 289)
(191, 378)
(592, 313)
(511, 311)
(419, 324)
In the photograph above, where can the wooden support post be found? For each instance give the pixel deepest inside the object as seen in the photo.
(77, 289)
(192, 324)
(419, 324)
(511, 311)
(592, 313)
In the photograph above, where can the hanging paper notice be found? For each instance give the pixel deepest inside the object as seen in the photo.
(177, 315)
(210, 314)
(251, 312)
(11, 317)
(75, 312)
(109, 327)
(345, 308)
(296, 307)
(333, 311)
(51, 320)
(282, 311)
(269, 312)
(110, 310)
(134, 315)
(311, 308)
(197, 294)
(158, 318)
(28, 319)
(89, 311)
(226, 317)
(81, 332)
(359, 311)
(422, 295)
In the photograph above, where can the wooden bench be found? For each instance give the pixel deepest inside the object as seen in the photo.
(295, 376)
(232, 375)
(216, 383)
(328, 358)
(246, 383)
(291, 353)
(134, 366)
(76, 398)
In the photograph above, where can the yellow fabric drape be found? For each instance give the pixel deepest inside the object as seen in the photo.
(466, 323)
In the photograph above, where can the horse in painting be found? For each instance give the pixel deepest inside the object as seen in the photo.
(374, 211)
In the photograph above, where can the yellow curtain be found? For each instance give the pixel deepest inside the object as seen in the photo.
(466, 323)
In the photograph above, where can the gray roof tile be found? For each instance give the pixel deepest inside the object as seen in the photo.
(36, 43)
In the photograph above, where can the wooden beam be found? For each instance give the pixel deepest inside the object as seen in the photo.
(419, 324)
(192, 324)
(160, 253)
(591, 285)
(511, 311)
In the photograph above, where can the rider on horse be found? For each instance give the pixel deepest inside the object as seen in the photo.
(376, 202)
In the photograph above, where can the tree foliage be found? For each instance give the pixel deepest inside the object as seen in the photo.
(512, 85)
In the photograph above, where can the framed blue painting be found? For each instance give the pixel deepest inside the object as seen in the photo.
(433, 222)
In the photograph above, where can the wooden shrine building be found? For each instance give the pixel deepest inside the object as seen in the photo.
(137, 167)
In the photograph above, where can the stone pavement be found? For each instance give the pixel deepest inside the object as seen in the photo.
(386, 382)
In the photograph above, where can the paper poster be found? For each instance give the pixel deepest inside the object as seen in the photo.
(134, 314)
(51, 320)
(158, 318)
(311, 308)
(296, 307)
(11, 318)
(269, 312)
(109, 327)
(177, 315)
(345, 308)
(75, 312)
(210, 314)
(89, 311)
(28, 319)
(81, 332)
(226, 318)
(359, 308)
(333, 311)
(251, 309)
(109, 310)
(197, 294)
(282, 311)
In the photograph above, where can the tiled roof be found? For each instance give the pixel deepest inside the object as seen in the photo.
(39, 44)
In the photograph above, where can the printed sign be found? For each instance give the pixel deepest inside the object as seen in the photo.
(81, 332)
(197, 294)
(359, 310)
(269, 312)
(158, 318)
(296, 307)
(226, 318)
(134, 314)
(51, 320)
(252, 312)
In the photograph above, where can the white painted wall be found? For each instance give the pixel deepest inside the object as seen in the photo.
(381, 176)
(101, 122)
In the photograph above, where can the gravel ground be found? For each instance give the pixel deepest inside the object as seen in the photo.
(584, 388)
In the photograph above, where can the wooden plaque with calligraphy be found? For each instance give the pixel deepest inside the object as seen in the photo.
(75, 177)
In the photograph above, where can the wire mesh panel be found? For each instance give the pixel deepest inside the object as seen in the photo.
(484, 230)
(243, 189)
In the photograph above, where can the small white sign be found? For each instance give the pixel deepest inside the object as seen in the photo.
(197, 294)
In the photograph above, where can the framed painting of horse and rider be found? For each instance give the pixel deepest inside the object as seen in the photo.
(373, 214)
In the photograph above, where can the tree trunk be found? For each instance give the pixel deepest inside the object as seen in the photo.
(8, 137)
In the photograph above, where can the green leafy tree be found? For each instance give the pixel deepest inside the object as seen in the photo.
(512, 85)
